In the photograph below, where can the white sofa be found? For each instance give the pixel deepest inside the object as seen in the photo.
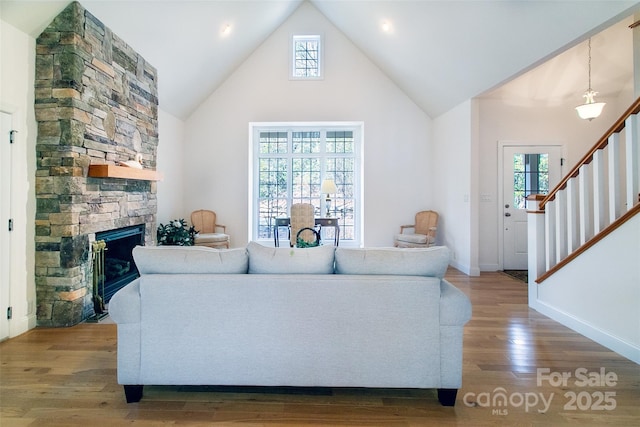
(313, 317)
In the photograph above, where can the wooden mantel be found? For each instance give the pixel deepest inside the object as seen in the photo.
(113, 171)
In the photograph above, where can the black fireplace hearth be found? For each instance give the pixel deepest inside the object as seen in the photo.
(119, 267)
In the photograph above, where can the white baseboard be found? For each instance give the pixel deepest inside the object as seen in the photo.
(621, 347)
(490, 267)
(465, 268)
(21, 325)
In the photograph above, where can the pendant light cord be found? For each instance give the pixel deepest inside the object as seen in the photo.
(589, 63)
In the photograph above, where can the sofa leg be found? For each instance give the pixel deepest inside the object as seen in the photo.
(447, 396)
(133, 393)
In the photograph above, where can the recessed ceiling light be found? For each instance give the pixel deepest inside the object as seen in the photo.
(386, 26)
(226, 30)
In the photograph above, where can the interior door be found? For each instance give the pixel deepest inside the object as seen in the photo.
(527, 169)
(5, 211)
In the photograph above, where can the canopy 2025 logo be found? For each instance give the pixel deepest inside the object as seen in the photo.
(499, 400)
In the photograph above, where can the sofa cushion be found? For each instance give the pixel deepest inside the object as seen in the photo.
(266, 260)
(420, 239)
(211, 237)
(431, 262)
(189, 259)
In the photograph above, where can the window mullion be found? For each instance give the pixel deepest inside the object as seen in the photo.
(290, 157)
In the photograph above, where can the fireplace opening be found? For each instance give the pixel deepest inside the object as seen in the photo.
(119, 267)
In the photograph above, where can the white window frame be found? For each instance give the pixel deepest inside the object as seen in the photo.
(292, 56)
(256, 128)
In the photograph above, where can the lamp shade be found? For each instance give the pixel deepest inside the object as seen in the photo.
(590, 111)
(328, 187)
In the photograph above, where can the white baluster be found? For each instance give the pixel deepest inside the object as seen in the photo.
(615, 199)
(561, 225)
(549, 234)
(599, 196)
(632, 161)
(573, 219)
(586, 207)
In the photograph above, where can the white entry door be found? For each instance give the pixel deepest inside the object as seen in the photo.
(527, 169)
(5, 212)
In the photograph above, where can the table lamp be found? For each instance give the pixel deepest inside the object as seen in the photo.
(328, 187)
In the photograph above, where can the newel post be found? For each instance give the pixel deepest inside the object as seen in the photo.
(536, 244)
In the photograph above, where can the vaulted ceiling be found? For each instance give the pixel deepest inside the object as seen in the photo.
(440, 53)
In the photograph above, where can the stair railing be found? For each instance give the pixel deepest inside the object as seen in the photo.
(601, 192)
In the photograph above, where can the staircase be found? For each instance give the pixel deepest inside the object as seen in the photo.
(584, 242)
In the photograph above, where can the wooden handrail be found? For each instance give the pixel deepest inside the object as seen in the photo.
(602, 142)
(595, 239)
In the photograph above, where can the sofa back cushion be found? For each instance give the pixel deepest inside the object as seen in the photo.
(430, 262)
(266, 260)
(190, 259)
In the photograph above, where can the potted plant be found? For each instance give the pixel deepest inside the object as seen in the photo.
(176, 233)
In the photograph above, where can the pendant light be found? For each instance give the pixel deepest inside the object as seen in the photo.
(590, 109)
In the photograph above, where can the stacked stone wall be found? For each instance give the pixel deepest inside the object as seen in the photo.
(95, 103)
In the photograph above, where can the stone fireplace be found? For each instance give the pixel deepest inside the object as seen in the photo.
(96, 104)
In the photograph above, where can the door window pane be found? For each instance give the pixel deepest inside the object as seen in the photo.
(530, 176)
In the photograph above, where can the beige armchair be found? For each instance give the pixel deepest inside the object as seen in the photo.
(204, 221)
(424, 231)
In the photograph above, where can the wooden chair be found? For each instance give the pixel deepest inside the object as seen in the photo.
(424, 235)
(204, 221)
(302, 216)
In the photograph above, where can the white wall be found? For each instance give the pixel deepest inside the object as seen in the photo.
(455, 184)
(17, 71)
(170, 162)
(600, 303)
(529, 124)
(397, 156)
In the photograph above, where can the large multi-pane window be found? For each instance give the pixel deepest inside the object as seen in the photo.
(290, 163)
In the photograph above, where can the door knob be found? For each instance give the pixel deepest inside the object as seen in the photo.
(507, 214)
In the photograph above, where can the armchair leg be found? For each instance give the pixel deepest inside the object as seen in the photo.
(447, 396)
(133, 393)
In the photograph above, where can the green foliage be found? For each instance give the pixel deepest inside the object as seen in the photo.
(176, 233)
(302, 243)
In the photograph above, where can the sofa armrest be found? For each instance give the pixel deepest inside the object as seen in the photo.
(124, 306)
(455, 306)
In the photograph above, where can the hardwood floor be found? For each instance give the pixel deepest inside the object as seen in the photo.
(67, 377)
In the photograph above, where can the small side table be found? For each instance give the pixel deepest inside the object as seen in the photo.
(330, 222)
(279, 222)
